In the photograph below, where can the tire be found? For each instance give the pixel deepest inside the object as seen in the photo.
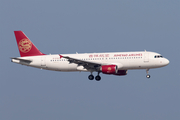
(91, 77)
(148, 76)
(98, 78)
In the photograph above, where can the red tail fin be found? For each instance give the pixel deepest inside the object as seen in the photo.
(26, 47)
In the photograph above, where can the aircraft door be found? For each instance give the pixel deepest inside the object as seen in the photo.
(146, 57)
(43, 61)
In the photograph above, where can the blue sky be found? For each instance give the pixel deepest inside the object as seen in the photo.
(61, 26)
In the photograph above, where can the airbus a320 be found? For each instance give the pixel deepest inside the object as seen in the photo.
(112, 63)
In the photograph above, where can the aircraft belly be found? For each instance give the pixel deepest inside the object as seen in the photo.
(135, 64)
(61, 66)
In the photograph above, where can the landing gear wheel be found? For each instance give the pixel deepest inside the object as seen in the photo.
(91, 77)
(147, 71)
(98, 78)
(148, 76)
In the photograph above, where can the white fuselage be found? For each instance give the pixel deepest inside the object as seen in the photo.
(124, 60)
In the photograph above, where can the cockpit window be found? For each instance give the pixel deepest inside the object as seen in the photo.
(158, 56)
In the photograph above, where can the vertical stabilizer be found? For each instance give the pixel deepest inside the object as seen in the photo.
(25, 46)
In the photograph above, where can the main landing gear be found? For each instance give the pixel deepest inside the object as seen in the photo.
(147, 71)
(91, 77)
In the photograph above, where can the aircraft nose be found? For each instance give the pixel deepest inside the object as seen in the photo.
(166, 61)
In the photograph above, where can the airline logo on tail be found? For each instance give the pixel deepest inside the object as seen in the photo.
(25, 45)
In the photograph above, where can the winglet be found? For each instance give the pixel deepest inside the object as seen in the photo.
(60, 56)
(26, 47)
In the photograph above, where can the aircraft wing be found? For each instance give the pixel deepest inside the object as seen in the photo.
(86, 64)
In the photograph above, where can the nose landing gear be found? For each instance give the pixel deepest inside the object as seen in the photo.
(147, 71)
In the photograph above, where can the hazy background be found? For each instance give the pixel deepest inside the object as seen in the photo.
(69, 26)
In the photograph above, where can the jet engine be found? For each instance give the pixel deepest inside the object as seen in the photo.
(112, 69)
(109, 69)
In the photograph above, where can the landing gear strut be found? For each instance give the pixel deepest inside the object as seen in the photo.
(147, 71)
(98, 78)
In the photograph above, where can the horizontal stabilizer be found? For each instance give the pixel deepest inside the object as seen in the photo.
(22, 60)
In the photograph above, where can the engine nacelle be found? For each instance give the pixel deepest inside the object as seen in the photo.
(109, 69)
(121, 72)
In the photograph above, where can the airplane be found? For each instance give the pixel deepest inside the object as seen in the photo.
(111, 63)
